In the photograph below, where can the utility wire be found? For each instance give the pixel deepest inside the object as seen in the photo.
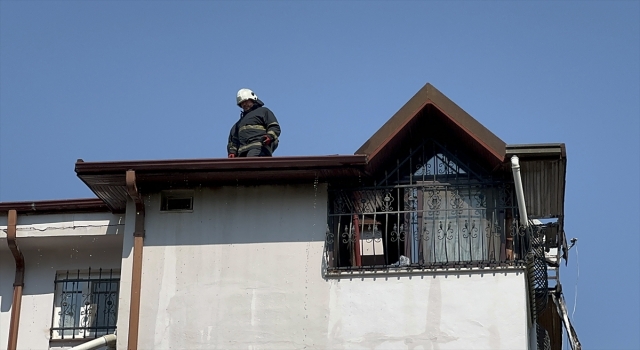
(575, 300)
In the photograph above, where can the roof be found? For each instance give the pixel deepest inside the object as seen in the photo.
(428, 114)
(431, 113)
(55, 206)
(107, 179)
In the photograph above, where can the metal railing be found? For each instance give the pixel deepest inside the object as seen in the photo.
(86, 304)
(424, 225)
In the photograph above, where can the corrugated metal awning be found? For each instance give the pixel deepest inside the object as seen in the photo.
(543, 168)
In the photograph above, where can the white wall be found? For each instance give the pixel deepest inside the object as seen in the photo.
(244, 270)
(52, 243)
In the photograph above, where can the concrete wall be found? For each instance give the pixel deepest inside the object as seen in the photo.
(244, 270)
(52, 243)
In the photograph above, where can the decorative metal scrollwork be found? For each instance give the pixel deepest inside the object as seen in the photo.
(330, 237)
(426, 234)
(411, 200)
(456, 202)
(110, 306)
(518, 230)
(472, 231)
(67, 308)
(434, 200)
(387, 200)
(398, 236)
(480, 199)
(347, 236)
(449, 231)
(85, 311)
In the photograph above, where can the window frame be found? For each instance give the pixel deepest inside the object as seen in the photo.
(85, 303)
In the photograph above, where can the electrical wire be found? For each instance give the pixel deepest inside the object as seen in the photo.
(575, 300)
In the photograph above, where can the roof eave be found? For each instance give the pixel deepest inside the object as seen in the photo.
(429, 95)
(55, 206)
(107, 179)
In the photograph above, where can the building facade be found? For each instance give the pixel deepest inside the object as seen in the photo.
(421, 240)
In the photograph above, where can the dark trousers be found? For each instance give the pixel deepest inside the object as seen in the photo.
(256, 152)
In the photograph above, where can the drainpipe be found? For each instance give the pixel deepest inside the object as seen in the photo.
(18, 284)
(515, 167)
(136, 276)
(108, 340)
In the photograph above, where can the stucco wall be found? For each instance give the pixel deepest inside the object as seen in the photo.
(52, 243)
(244, 270)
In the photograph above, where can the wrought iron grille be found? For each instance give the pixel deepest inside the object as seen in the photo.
(433, 208)
(425, 225)
(86, 304)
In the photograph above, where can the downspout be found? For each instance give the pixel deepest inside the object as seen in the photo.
(18, 284)
(515, 167)
(524, 221)
(136, 275)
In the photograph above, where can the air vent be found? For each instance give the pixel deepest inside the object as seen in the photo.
(177, 201)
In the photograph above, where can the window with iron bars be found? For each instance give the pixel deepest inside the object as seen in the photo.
(425, 214)
(85, 304)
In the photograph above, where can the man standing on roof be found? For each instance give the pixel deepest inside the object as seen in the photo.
(256, 133)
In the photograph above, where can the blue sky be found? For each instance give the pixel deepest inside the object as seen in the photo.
(133, 80)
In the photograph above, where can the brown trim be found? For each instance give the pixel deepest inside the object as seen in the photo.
(136, 287)
(55, 206)
(18, 284)
(107, 179)
(427, 98)
(392, 135)
(499, 156)
(136, 275)
(213, 164)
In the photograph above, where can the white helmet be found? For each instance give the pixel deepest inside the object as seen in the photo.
(245, 94)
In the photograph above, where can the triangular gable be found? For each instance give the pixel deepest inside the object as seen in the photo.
(430, 114)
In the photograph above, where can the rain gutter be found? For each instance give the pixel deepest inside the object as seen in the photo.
(515, 167)
(136, 275)
(222, 164)
(18, 284)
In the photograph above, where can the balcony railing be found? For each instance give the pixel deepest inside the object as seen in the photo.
(424, 225)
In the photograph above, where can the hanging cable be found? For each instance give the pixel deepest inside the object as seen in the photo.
(575, 299)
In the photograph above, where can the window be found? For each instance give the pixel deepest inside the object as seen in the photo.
(431, 210)
(176, 200)
(86, 304)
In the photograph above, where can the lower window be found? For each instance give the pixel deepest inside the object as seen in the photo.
(85, 304)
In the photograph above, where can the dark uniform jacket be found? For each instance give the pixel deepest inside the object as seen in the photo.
(247, 133)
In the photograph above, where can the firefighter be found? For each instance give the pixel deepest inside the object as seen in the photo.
(256, 133)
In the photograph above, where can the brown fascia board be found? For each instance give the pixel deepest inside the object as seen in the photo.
(107, 179)
(221, 164)
(537, 150)
(430, 95)
(55, 206)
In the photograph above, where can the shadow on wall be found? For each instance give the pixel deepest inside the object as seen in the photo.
(43, 260)
(7, 276)
(240, 215)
